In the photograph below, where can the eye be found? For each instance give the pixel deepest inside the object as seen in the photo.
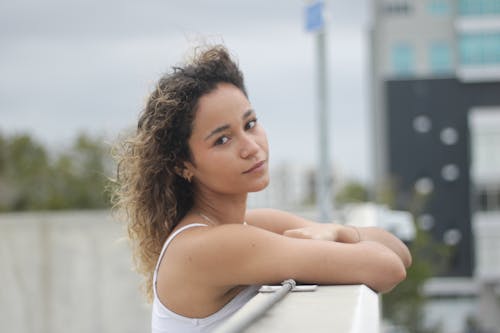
(222, 140)
(251, 124)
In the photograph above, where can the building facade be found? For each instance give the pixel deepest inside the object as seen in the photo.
(436, 64)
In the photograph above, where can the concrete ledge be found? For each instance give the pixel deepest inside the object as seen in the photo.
(347, 309)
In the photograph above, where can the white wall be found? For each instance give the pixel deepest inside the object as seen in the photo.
(67, 272)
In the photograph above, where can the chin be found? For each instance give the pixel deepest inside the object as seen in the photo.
(260, 186)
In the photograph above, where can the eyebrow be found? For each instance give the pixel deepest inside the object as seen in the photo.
(225, 127)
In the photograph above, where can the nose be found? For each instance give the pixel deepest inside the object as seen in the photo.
(249, 146)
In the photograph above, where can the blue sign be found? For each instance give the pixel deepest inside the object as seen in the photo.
(314, 16)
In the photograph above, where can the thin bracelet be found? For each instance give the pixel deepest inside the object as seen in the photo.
(357, 231)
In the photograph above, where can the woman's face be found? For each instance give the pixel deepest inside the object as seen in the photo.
(228, 145)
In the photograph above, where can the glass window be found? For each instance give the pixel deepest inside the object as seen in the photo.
(488, 199)
(479, 48)
(396, 8)
(449, 136)
(491, 6)
(482, 200)
(424, 186)
(491, 47)
(479, 7)
(422, 124)
(426, 221)
(469, 53)
(466, 7)
(439, 7)
(402, 59)
(440, 57)
(450, 172)
(452, 236)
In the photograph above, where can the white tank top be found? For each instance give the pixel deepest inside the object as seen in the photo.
(164, 320)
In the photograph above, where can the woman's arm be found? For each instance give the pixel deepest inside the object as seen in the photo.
(230, 255)
(294, 226)
(352, 234)
(275, 220)
(386, 238)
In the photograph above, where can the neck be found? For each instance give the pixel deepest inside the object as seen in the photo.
(221, 209)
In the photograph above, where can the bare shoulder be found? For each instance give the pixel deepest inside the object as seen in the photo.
(207, 242)
(233, 254)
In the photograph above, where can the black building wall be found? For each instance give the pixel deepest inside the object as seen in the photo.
(434, 105)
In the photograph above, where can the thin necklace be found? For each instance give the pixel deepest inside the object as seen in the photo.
(206, 218)
(209, 220)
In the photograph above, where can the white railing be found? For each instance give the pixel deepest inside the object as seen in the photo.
(346, 309)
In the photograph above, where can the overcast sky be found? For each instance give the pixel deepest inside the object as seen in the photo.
(88, 65)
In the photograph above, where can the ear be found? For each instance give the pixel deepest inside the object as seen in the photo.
(187, 171)
(187, 175)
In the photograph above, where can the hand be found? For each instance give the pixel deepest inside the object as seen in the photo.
(328, 232)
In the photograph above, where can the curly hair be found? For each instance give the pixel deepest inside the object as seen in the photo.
(149, 191)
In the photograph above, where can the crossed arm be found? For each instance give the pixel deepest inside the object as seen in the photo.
(275, 246)
(294, 226)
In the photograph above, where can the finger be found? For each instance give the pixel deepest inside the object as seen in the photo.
(297, 233)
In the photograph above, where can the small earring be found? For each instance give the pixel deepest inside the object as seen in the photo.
(188, 177)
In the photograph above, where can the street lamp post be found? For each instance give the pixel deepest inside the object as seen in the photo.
(315, 23)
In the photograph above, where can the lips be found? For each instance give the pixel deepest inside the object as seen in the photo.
(255, 166)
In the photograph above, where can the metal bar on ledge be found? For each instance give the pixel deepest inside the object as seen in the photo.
(242, 320)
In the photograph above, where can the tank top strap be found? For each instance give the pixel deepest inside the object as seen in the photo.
(165, 245)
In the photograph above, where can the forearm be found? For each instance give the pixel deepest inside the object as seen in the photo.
(276, 221)
(281, 222)
(385, 238)
(366, 262)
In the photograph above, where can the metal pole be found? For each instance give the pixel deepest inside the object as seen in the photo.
(323, 180)
(243, 319)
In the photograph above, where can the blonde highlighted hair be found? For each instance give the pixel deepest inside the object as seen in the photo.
(149, 192)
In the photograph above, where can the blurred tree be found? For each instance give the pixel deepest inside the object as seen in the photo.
(73, 179)
(80, 175)
(404, 305)
(352, 192)
(23, 172)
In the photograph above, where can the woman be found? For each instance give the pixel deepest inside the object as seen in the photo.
(183, 182)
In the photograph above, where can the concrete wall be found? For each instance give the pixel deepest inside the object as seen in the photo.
(68, 272)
